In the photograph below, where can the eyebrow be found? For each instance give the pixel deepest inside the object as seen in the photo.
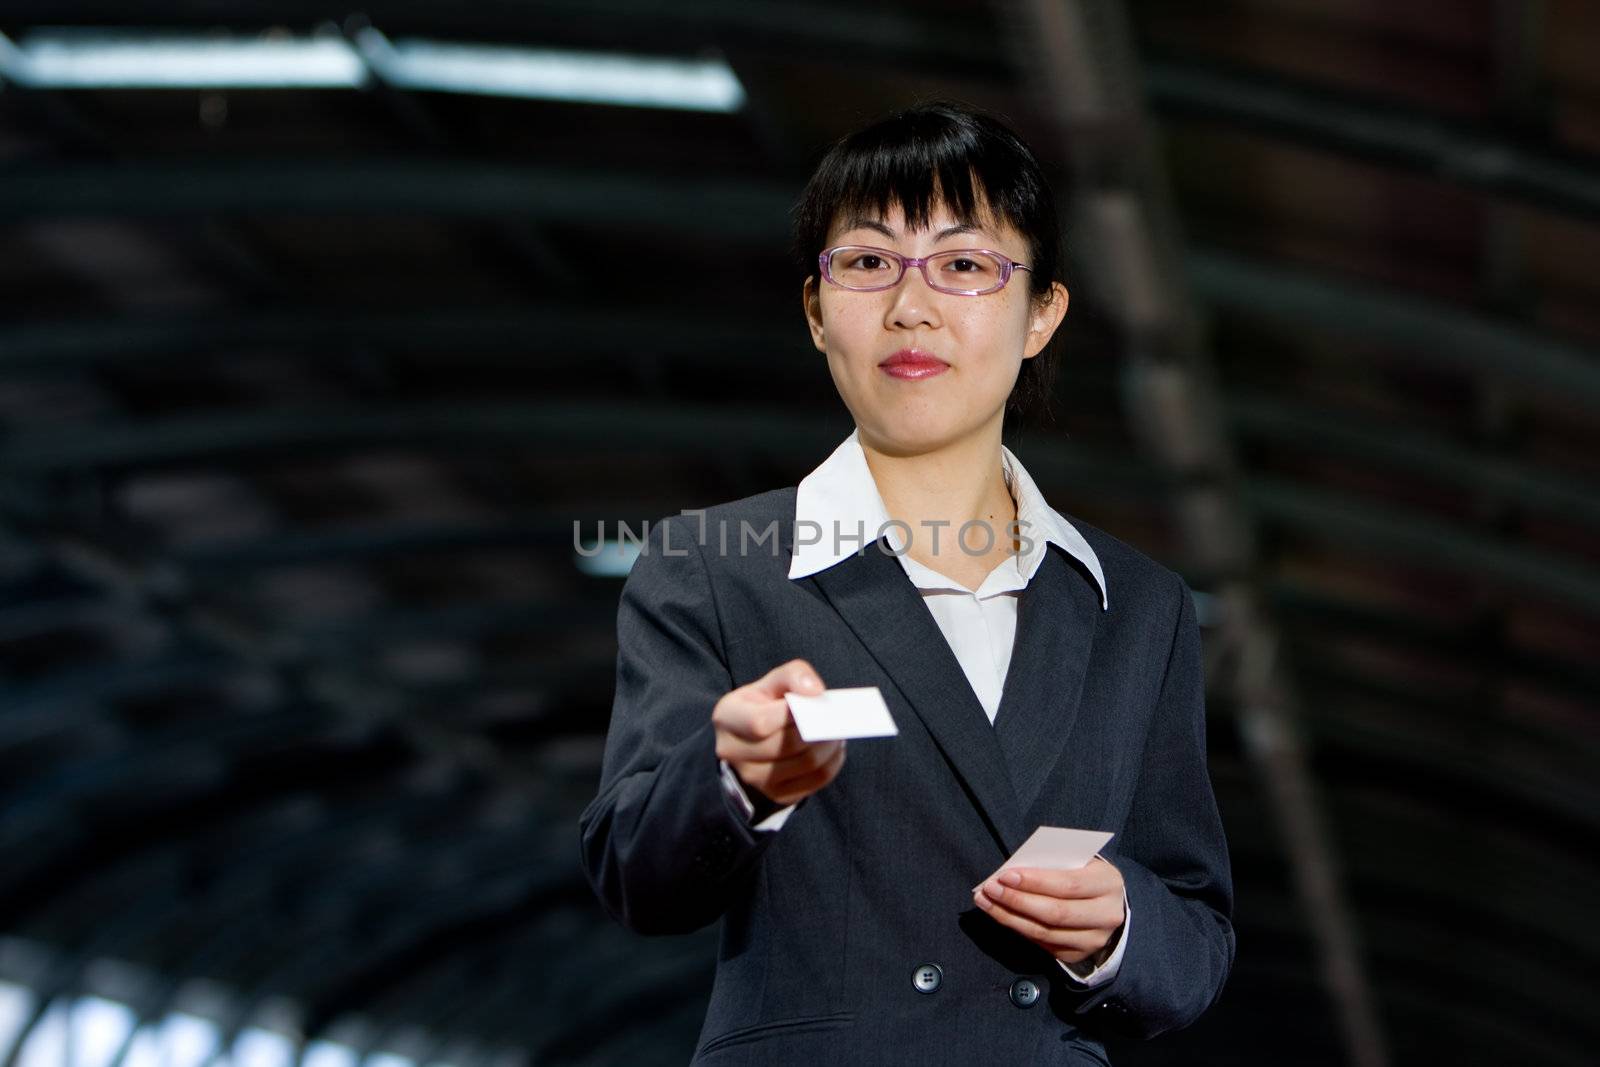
(861, 223)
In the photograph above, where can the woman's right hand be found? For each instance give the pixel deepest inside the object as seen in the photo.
(760, 741)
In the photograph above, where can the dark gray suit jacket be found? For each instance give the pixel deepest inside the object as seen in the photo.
(1101, 725)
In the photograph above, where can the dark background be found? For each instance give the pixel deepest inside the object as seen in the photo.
(302, 391)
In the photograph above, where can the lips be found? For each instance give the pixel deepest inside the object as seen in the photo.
(912, 363)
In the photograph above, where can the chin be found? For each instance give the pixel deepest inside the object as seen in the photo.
(912, 432)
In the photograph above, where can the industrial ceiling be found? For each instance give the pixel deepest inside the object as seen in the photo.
(304, 389)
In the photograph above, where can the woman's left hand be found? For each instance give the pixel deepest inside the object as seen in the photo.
(1070, 914)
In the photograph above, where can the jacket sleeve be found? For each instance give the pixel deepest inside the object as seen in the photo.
(1174, 863)
(663, 844)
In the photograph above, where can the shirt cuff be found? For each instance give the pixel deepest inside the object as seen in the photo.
(1108, 970)
(735, 788)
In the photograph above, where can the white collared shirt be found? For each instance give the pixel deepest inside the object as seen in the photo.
(838, 509)
(840, 503)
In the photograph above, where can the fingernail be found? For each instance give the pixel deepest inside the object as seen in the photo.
(810, 683)
(1011, 878)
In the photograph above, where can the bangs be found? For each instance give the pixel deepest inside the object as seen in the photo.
(872, 185)
(917, 160)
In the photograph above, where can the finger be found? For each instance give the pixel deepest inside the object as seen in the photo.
(1101, 913)
(784, 745)
(1050, 938)
(751, 718)
(806, 784)
(1093, 880)
(795, 676)
(813, 758)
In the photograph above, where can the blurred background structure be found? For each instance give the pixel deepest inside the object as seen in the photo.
(320, 327)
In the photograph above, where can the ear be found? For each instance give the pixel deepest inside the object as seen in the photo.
(811, 301)
(1043, 318)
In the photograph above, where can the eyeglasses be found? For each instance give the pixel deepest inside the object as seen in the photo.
(964, 271)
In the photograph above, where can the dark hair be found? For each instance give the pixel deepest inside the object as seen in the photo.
(949, 151)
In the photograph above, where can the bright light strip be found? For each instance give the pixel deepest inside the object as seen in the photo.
(15, 1005)
(99, 1026)
(48, 61)
(694, 85)
(51, 59)
(93, 1028)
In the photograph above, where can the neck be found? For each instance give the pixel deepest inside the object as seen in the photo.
(954, 484)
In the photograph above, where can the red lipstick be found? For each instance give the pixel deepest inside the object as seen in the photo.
(912, 364)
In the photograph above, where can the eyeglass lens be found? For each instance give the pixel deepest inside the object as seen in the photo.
(864, 268)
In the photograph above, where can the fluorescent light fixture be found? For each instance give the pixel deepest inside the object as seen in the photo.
(47, 60)
(16, 1004)
(322, 1053)
(99, 1027)
(187, 1040)
(49, 1037)
(76, 59)
(256, 1047)
(92, 1028)
(542, 74)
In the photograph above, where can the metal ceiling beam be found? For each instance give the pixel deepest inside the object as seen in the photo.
(180, 765)
(51, 704)
(1319, 617)
(192, 758)
(1425, 542)
(451, 993)
(564, 334)
(236, 915)
(241, 899)
(1322, 118)
(44, 846)
(546, 333)
(70, 710)
(624, 429)
(1314, 115)
(920, 38)
(138, 587)
(1391, 447)
(403, 184)
(58, 702)
(1436, 753)
(612, 428)
(334, 976)
(1450, 337)
(1078, 58)
(540, 266)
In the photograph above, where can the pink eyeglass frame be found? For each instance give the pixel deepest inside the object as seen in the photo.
(1007, 265)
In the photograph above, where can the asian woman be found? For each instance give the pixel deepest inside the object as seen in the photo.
(1041, 673)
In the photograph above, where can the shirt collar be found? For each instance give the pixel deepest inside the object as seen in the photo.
(840, 495)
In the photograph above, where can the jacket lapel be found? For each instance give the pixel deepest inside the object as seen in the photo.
(1056, 620)
(877, 600)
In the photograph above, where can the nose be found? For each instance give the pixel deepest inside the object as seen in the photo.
(914, 303)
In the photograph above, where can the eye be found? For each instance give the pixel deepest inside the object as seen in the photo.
(866, 261)
(976, 266)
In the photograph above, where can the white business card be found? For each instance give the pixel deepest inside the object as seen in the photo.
(842, 713)
(1057, 848)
